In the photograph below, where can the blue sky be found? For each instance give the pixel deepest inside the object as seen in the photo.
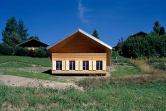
(53, 19)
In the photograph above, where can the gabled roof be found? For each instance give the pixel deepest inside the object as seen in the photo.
(83, 32)
(139, 33)
(33, 42)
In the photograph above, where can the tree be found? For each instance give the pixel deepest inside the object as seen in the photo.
(159, 30)
(14, 33)
(162, 31)
(15, 39)
(21, 30)
(11, 26)
(120, 46)
(156, 27)
(95, 34)
(33, 37)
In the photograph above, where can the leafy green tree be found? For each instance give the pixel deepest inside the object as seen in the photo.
(159, 30)
(6, 49)
(95, 34)
(156, 27)
(162, 31)
(22, 30)
(120, 46)
(33, 37)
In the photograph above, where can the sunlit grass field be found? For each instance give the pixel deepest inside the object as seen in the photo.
(130, 87)
(104, 97)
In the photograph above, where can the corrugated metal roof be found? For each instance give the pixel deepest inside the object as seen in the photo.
(83, 32)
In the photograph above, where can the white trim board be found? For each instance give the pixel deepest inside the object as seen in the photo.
(83, 32)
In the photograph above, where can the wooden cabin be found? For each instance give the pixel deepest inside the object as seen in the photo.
(79, 53)
(32, 44)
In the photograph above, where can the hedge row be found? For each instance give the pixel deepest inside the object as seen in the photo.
(151, 45)
(20, 51)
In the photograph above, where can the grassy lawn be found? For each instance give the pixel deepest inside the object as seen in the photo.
(104, 97)
(38, 61)
(36, 68)
(14, 65)
(125, 70)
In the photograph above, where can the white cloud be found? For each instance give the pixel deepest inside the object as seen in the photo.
(82, 11)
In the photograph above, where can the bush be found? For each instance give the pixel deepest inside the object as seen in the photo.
(20, 51)
(6, 49)
(41, 53)
(151, 45)
(115, 54)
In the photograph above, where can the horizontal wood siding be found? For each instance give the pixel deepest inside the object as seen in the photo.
(79, 58)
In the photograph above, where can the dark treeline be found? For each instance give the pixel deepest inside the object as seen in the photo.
(152, 45)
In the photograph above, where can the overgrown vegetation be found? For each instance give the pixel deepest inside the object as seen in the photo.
(152, 45)
(102, 97)
(157, 64)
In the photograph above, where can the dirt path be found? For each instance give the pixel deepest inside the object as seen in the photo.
(24, 82)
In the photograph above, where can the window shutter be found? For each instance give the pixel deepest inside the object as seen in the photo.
(67, 65)
(76, 65)
(81, 65)
(94, 65)
(104, 65)
(63, 65)
(53, 65)
(90, 65)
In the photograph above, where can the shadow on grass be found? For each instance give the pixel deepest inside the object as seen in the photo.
(49, 72)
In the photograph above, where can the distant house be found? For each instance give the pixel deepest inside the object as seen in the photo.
(32, 44)
(79, 53)
(139, 34)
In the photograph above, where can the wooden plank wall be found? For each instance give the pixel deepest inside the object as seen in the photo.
(80, 43)
(78, 58)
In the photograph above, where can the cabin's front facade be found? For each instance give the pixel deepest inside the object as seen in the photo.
(79, 53)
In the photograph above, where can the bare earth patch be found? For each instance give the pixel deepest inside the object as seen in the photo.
(24, 82)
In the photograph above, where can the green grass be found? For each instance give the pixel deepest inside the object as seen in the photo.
(125, 70)
(36, 68)
(157, 64)
(104, 97)
(38, 61)
(15, 65)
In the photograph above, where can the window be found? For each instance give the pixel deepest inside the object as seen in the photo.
(85, 65)
(99, 65)
(58, 65)
(72, 65)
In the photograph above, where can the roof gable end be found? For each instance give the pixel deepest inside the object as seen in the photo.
(83, 32)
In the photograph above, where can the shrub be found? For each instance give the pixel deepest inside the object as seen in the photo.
(151, 45)
(115, 54)
(20, 51)
(41, 53)
(6, 49)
